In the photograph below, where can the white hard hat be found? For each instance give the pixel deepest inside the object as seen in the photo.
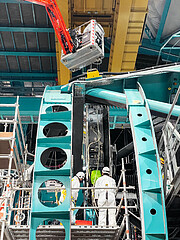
(80, 175)
(105, 170)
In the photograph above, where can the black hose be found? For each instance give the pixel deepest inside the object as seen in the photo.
(101, 73)
(76, 77)
(121, 73)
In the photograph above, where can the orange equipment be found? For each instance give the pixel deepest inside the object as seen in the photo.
(58, 24)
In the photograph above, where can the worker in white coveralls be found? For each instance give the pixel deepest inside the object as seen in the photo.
(106, 198)
(76, 180)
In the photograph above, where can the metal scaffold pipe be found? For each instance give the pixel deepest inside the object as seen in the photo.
(169, 114)
(125, 201)
(9, 167)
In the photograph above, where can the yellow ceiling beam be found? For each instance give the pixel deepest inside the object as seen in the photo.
(107, 27)
(120, 26)
(96, 6)
(127, 29)
(101, 10)
(63, 73)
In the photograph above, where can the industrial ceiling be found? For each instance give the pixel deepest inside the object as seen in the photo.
(135, 33)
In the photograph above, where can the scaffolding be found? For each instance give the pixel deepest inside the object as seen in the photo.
(12, 157)
(169, 145)
(113, 232)
(124, 229)
(16, 196)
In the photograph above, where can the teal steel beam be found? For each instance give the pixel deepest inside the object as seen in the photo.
(172, 48)
(149, 33)
(165, 55)
(27, 80)
(14, 1)
(28, 106)
(14, 43)
(106, 55)
(117, 97)
(115, 111)
(27, 74)
(2, 43)
(107, 43)
(29, 54)
(163, 20)
(26, 29)
(150, 48)
(151, 195)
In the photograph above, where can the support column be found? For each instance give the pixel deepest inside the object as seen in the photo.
(63, 73)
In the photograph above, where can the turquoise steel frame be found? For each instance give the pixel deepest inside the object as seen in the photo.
(118, 97)
(153, 215)
(163, 20)
(26, 53)
(116, 91)
(26, 29)
(52, 96)
(27, 74)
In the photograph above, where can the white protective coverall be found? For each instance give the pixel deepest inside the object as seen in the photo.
(75, 184)
(106, 198)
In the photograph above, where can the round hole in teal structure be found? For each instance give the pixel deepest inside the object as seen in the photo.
(56, 108)
(153, 211)
(54, 234)
(49, 194)
(55, 129)
(53, 158)
(144, 139)
(148, 171)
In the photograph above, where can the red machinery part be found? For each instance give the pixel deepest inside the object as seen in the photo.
(58, 24)
(83, 222)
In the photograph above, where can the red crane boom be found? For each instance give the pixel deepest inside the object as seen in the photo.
(58, 24)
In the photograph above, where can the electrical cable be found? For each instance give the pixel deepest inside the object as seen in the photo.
(101, 73)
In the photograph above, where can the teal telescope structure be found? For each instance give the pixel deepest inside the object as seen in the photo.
(135, 96)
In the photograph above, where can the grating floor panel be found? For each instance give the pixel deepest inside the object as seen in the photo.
(57, 232)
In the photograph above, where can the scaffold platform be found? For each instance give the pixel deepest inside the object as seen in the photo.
(57, 232)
